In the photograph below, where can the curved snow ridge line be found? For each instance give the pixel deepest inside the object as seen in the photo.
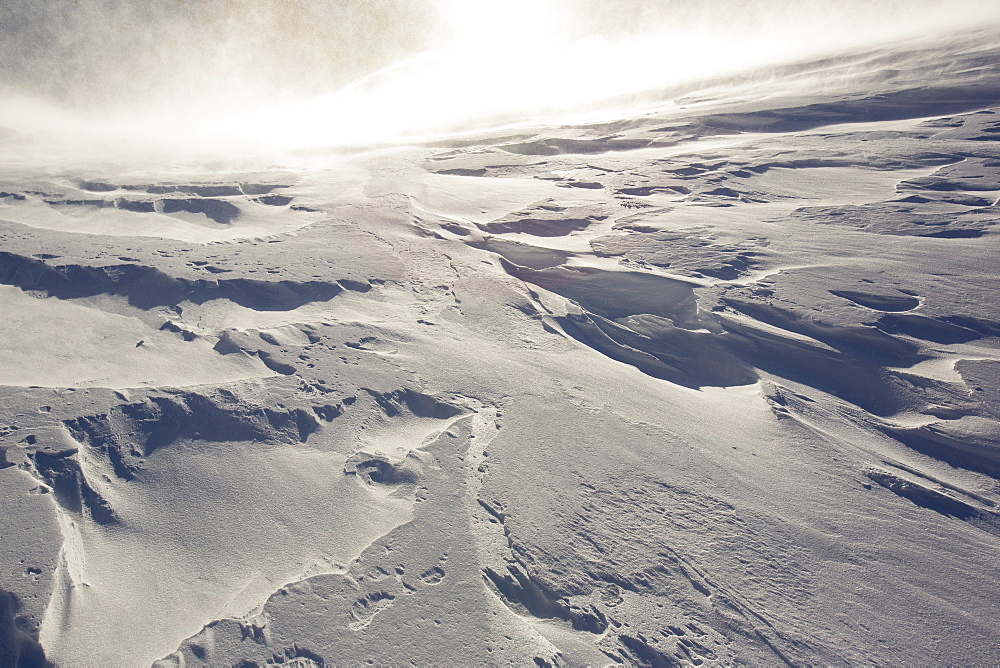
(130, 432)
(218, 211)
(923, 475)
(205, 199)
(653, 323)
(146, 287)
(613, 294)
(378, 578)
(123, 438)
(70, 575)
(76, 467)
(939, 501)
(951, 444)
(222, 189)
(667, 337)
(247, 609)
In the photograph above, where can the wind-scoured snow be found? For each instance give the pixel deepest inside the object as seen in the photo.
(712, 379)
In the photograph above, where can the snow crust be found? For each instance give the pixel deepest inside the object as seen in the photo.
(713, 383)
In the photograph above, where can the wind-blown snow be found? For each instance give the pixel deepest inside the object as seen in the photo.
(693, 365)
(235, 78)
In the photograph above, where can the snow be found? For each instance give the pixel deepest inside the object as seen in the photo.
(711, 381)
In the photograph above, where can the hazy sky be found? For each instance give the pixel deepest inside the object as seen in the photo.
(159, 70)
(100, 51)
(92, 50)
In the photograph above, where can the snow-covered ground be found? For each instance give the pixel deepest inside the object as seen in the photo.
(714, 380)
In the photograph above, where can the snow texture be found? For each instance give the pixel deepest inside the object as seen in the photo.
(714, 384)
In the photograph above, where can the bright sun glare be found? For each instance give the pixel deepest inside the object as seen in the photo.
(503, 63)
(489, 24)
(513, 62)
